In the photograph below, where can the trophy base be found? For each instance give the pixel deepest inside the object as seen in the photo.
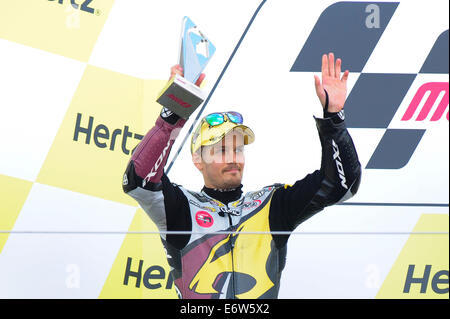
(181, 96)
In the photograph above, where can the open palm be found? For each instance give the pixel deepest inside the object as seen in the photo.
(333, 83)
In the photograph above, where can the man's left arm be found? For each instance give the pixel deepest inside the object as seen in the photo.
(340, 171)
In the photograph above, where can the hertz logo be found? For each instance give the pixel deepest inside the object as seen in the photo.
(103, 136)
(152, 278)
(439, 281)
(83, 5)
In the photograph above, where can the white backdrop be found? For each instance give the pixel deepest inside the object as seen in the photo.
(54, 189)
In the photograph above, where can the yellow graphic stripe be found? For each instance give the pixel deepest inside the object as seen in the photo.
(422, 267)
(252, 252)
(250, 255)
(13, 196)
(108, 116)
(55, 26)
(140, 269)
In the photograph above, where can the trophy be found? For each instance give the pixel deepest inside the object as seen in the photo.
(181, 95)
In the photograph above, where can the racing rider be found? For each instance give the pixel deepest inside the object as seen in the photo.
(211, 256)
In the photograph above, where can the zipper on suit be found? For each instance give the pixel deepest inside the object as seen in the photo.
(233, 281)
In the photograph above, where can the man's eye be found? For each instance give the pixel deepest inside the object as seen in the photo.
(223, 150)
(218, 150)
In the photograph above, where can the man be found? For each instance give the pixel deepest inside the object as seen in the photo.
(230, 244)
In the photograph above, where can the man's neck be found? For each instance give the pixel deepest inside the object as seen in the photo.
(225, 196)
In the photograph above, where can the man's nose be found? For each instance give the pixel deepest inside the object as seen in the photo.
(230, 155)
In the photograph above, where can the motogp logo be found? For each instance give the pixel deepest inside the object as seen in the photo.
(376, 97)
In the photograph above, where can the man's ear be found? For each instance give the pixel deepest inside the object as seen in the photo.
(197, 160)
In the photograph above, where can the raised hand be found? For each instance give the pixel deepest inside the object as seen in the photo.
(333, 83)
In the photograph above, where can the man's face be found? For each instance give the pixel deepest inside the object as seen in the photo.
(222, 164)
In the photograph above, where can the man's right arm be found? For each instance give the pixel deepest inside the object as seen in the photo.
(143, 176)
(145, 181)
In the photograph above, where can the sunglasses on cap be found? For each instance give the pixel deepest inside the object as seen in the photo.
(215, 119)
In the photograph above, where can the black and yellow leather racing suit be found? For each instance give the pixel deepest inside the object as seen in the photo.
(230, 252)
